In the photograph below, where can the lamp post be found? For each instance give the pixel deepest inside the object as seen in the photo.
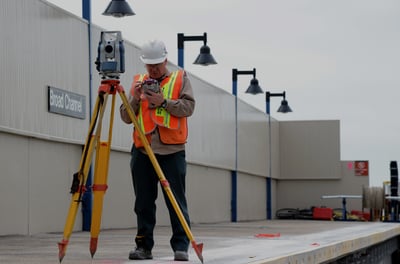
(116, 8)
(252, 88)
(284, 108)
(204, 58)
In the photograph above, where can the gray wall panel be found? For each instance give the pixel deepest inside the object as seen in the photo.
(251, 198)
(211, 128)
(297, 194)
(14, 184)
(44, 46)
(252, 140)
(208, 194)
(36, 176)
(51, 166)
(309, 149)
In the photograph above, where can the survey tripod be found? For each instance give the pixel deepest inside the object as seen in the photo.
(99, 186)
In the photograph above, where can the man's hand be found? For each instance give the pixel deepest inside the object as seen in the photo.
(154, 99)
(138, 91)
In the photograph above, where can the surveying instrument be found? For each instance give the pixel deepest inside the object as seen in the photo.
(110, 64)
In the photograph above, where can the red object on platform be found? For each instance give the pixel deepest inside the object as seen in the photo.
(363, 215)
(322, 213)
(268, 235)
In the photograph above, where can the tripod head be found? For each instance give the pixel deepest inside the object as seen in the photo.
(110, 61)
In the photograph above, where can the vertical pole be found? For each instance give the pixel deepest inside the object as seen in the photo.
(180, 50)
(394, 185)
(234, 172)
(87, 196)
(269, 195)
(180, 58)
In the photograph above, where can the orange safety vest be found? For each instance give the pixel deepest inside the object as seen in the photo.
(172, 129)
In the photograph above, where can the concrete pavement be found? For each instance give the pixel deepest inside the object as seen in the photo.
(259, 242)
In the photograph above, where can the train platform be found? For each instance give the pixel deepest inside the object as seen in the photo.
(256, 242)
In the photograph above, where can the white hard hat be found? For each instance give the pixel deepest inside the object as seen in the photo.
(153, 52)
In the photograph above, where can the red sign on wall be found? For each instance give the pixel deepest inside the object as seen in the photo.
(361, 168)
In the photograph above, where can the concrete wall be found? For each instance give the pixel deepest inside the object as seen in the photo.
(310, 148)
(41, 47)
(36, 176)
(34, 184)
(311, 167)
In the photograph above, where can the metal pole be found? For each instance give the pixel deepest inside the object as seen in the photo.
(181, 40)
(234, 172)
(235, 73)
(269, 209)
(87, 196)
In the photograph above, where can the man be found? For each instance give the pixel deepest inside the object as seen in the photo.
(162, 116)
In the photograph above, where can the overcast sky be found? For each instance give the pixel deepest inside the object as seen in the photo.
(336, 60)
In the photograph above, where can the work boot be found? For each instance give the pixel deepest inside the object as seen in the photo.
(181, 256)
(140, 254)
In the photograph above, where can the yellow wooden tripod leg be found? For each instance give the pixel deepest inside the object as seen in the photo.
(99, 188)
(82, 175)
(100, 183)
(164, 183)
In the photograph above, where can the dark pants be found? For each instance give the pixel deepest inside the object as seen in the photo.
(145, 184)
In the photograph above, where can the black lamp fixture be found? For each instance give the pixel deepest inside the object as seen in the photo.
(284, 107)
(118, 8)
(204, 58)
(254, 87)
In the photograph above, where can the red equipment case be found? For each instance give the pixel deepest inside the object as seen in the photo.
(322, 213)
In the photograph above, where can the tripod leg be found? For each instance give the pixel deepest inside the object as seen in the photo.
(99, 188)
(80, 178)
(164, 183)
(100, 183)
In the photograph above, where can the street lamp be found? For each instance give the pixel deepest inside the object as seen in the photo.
(118, 8)
(253, 88)
(205, 58)
(284, 108)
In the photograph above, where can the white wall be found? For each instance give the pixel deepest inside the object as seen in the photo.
(309, 149)
(41, 46)
(311, 167)
(34, 186)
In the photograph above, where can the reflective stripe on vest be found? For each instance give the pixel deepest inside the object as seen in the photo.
(171, 89)
(172, 129)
